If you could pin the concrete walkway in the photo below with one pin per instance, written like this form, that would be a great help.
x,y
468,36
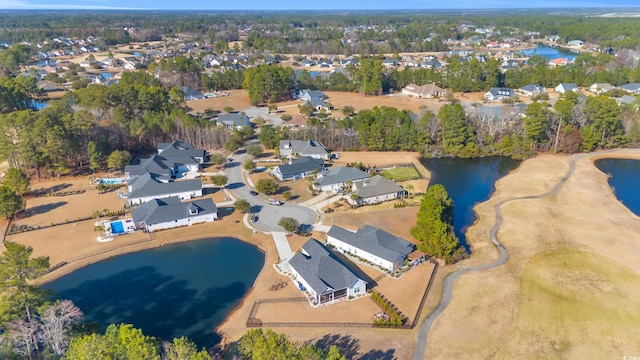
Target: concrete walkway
x,y
323,199
284,249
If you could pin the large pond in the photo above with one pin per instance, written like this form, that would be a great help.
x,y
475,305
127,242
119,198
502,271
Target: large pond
x,y
468,182
185,289
624,180
551,52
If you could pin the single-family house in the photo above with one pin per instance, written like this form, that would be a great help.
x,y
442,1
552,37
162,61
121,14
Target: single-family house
x,y
432,64
319,104
559,62
149,186
173,159
633,88
564,87
49,86
324,63
348,61
532,90
372,244
600,88
307,63
297,122
575,43
299,168
340,179
311,148
495,94
167,213
308,95
319,271
423,92
191,94
626,100
375,190
234,120
389,63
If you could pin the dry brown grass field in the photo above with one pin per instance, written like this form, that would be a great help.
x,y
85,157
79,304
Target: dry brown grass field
x,y
572,284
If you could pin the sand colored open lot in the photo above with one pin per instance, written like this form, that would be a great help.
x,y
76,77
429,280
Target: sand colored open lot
x,y
572,284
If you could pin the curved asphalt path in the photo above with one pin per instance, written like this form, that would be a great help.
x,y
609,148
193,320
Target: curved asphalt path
x,y
503,256
268,215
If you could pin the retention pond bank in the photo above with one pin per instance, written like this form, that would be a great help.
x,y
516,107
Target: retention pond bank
x,y
624,180
468,182
184,289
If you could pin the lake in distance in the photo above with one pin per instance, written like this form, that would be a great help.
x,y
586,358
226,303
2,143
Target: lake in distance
x,y
184,289
468,182
624,180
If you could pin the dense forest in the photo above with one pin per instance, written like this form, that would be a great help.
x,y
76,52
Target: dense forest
x,y
318,32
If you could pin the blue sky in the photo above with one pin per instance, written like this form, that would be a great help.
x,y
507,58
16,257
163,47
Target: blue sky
x,y
304,5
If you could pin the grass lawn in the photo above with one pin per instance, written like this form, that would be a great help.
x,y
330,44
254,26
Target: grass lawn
x,y
401,173
571,301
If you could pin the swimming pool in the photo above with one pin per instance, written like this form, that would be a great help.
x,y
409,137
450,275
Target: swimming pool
x,y
112,181
117,227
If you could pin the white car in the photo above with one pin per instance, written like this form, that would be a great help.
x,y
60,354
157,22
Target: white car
x,y
275,202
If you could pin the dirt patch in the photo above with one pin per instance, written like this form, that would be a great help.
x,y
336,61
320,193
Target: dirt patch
x,y
237,99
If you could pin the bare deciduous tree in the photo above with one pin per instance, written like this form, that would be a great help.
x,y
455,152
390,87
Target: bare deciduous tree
x,y
56,322
20,333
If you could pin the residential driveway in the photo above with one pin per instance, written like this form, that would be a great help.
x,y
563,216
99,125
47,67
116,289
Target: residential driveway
x,y
284,249
267,215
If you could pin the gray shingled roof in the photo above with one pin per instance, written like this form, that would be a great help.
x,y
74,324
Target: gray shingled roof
x,y
303,147
169,155
340,175
532,88
374,241
377,186
501,92
630,87
146,185
301,165
158,211
568,86
234,119
321,269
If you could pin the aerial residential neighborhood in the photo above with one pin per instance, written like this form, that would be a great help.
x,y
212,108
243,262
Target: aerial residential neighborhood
x,y
295,182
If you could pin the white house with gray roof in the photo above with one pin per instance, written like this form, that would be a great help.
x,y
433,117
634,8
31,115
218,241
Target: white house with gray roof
x,y
299,168
149,186
495,94
311,148
633,88
375,190
167,213
340,179
532,90
564,87
234,120
320,272
173,159
375,245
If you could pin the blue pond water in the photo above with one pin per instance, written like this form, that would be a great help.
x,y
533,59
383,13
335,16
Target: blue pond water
x,y
550,52
177,290
468,182
624,180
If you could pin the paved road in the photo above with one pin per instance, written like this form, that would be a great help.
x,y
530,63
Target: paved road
x,y
268,215
503,256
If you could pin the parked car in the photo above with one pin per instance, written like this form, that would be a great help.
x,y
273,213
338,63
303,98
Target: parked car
x,y
254,193
275,202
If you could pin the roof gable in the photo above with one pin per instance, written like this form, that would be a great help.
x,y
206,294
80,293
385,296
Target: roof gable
x,y
374,241
340,175
321,269
158,211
